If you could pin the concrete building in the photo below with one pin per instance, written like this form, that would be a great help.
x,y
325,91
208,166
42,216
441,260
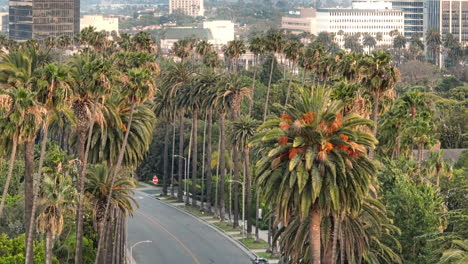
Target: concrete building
x,y
188,7
4,23
101,23
174,34
448,16
304,22
413,11
373,18
40,19
222,31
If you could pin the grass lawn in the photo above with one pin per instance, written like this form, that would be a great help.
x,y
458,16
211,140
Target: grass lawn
x,y
237,235
251,244
194,211
265,255
226,227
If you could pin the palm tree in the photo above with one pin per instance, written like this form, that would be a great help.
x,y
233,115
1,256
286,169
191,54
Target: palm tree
x,y
322,155
102,192
416,46
274,44
54,93
138,87
243,130
292,52
379,77
458,254
203,48
257,47
57,199
232,89
90,80
433,43
233,51
399,42
369,42
183,48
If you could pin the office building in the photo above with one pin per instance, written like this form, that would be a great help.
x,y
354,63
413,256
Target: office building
x,y
192,8
413,11
373,18
101,23
448,16
222,31
40,19
4,23
304,22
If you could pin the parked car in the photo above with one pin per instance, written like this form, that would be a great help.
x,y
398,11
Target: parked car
x,y
260,261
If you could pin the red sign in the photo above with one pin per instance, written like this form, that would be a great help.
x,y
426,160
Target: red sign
x,y
155,180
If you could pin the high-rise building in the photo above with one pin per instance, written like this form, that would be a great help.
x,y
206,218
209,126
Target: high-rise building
x,y
40,19
413,12
448,16
377,19
192,8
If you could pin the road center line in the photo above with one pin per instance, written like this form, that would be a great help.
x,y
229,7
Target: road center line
x,y
156,222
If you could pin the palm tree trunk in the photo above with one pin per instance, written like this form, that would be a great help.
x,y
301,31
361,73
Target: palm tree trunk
x,y
114,175
289,86
315,235
172,156
342,246
222,165
49,245
303,77
28,192
10,173
217,207
83,157
253,87
420,152
269,87
194,156
208,158
29,242
375,115
257,207
202,182
181,154
187,195
166,159
235,159
248,183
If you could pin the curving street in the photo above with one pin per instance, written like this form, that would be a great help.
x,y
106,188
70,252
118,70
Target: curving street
x,y
177,238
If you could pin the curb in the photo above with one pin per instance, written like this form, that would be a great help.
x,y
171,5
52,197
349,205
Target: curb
x,y
220,231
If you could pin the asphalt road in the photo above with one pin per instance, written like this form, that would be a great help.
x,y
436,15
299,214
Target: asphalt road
x,y
177,238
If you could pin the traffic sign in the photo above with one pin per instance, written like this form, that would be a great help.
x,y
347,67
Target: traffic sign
x,y
155,180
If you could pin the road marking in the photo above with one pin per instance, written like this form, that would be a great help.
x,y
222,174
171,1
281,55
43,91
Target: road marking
x,y
156,222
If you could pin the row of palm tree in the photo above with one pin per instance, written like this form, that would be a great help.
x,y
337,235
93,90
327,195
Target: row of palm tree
x,y
99,103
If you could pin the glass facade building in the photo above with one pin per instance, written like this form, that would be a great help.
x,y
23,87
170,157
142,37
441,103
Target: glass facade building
x,y
40,19
448,16
414,15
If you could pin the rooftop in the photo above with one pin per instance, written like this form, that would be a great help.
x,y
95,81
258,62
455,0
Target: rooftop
x,y
181,33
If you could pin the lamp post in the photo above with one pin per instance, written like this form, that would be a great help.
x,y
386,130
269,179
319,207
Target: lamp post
x,y
185,176
140,242
243,205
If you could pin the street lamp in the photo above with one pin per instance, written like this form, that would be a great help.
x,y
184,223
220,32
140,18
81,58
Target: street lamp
x,y
185,176
243,205
140,242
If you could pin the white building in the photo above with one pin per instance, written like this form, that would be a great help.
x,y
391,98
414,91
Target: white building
x,y
305,22
4,23
222,31
192,8
373,18
101,23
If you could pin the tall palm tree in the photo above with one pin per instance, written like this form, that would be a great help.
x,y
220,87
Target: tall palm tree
x,y
292,52
203,48
379,78
322,155
91,83
243,130
369,42
232,89
433,43
257,47
57,199
138,86
54,92
275,45
233,50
